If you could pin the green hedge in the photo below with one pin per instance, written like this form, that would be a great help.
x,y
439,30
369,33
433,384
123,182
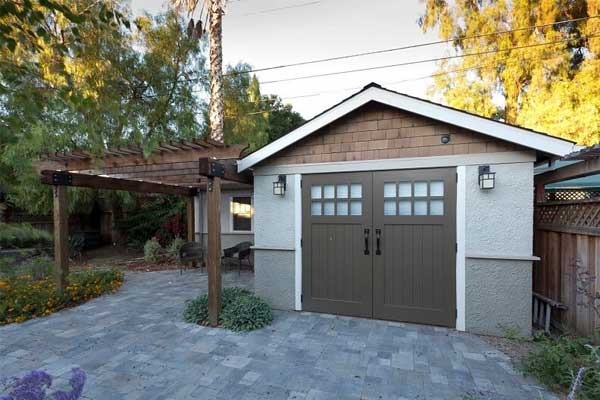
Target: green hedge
x,y
22,236
241,310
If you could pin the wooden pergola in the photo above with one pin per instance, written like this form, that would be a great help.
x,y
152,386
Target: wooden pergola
x,y
181,168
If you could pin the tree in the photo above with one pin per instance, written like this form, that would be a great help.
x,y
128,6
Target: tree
x,y
548,81
215,27
282,119
112,87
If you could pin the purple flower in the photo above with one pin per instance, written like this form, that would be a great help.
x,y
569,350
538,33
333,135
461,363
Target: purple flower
x,y
30,387
33,387
77,381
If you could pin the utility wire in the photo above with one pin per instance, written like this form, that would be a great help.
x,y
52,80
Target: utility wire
x,y
467,69
405,63
479,53
412,46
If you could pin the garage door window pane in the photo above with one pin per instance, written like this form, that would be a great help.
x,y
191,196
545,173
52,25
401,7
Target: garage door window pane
x,y
342,191
389,189
420,207
328,191
356,191
420,189
356,208
389,207
404,189
404,207
315,208
436,207
342,208
436,188
315,192
328,208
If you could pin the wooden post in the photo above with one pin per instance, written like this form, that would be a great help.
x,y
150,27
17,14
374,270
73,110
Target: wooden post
x,y
213,219
540,193
191,220
61,232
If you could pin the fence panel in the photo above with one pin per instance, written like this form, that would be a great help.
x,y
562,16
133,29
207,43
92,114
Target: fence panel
x,y
567,239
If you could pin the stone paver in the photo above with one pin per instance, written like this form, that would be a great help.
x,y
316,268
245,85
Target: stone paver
x,y
134,345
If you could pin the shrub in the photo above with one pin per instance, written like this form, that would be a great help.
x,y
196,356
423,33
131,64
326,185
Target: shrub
x,y
174,247
240,310
23,297
246,313
76,245
558,360
151,219
33,386
152,250
23,236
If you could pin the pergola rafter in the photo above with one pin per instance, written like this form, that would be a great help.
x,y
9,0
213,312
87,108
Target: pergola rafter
x,y
180,168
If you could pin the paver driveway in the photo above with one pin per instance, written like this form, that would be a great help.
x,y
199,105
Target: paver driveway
x,y
133,345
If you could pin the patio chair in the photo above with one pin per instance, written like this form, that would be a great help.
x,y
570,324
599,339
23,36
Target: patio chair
x,y
189,252
243,251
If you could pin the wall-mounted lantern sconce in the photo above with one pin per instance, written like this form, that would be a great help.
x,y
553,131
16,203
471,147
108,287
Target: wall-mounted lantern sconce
x,y
445,139
487,179
279,186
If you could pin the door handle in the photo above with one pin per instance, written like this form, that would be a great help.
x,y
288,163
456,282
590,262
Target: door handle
x,y
377,241
367,231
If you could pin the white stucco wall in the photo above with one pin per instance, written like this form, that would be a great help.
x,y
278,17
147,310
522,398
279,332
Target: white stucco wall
x,y
499,224
274,239
500,221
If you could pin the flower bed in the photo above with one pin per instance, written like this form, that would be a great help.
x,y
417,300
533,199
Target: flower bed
x,y
23,297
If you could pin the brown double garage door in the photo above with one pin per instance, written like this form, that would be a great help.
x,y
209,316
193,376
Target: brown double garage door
x,y
381,245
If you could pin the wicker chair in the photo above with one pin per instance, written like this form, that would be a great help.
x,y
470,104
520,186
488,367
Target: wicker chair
x,y
190,252
243,251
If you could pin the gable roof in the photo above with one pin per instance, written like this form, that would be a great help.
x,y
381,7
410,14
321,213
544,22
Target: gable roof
x,y
373,92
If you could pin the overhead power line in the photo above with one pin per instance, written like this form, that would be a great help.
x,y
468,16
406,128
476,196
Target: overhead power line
x,y
412,46
479,53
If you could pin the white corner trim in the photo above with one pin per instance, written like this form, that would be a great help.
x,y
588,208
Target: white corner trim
x,y
509,157
509,133
461,188
297,241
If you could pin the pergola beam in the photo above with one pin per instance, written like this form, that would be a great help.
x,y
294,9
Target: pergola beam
x,y
50,177
224,169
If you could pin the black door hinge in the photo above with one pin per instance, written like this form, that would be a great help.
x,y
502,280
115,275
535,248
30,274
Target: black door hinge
x,y
456,313
457,177
456,247
301,243
301,298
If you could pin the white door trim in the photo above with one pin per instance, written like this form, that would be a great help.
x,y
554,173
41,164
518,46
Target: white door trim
x,y
461,172
298,241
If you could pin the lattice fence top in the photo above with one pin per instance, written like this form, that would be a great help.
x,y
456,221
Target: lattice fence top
x,y
572,194
581,216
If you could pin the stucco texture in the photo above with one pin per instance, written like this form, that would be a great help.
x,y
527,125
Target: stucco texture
x,y
274,277
500,221
274,228
498,297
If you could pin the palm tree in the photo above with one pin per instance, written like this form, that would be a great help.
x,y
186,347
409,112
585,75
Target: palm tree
x,y
215,14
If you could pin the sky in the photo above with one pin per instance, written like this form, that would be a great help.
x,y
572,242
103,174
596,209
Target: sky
x,y
267,33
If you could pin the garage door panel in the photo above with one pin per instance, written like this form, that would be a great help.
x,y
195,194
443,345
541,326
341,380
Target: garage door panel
x,y
413,276
408,221
337,274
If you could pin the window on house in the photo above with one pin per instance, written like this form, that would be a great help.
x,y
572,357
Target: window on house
x,y
241,213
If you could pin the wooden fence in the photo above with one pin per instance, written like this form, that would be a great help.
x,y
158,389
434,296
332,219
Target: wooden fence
x,y
567,239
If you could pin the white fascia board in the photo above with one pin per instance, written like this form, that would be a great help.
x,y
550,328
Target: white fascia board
x,y
513,134
509,133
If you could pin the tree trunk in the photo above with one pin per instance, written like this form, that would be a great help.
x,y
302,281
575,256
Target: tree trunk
x,y
216,70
